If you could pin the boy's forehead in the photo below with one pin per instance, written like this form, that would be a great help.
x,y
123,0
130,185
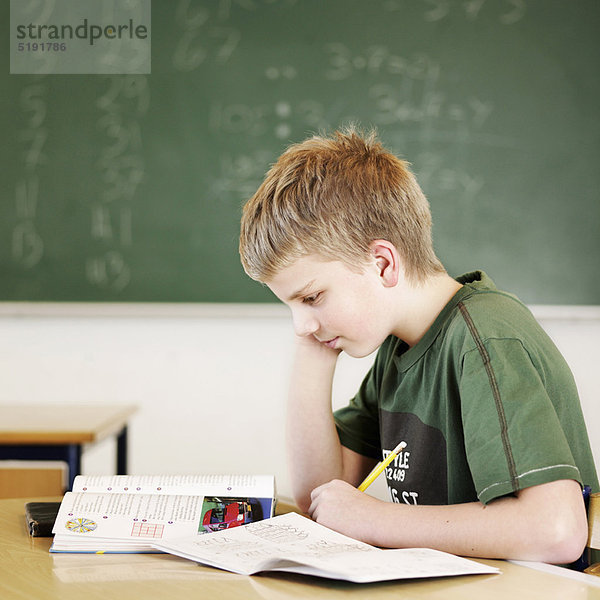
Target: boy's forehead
x,y
301,276
306,274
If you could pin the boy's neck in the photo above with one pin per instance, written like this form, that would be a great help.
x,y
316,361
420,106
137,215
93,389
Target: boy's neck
x,y
421,304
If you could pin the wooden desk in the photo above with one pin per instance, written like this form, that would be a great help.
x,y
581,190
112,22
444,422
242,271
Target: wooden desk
x,y
58,432
28,571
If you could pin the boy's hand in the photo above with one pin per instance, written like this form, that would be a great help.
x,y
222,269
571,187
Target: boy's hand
x,y
340,506
314,359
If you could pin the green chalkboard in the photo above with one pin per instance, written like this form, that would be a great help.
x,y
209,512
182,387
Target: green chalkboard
x,y
129,187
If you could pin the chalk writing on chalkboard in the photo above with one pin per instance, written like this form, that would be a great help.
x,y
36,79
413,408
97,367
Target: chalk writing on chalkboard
x,y
27,243
129,188
121,166
506,12
201,39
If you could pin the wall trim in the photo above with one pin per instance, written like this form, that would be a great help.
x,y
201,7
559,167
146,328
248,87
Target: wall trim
x,y
202,310
198,310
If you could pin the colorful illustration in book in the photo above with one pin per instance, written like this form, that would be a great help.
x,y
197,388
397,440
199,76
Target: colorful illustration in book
x,y
224,513
81,525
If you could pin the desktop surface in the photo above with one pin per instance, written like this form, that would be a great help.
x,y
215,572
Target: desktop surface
x,y
28,570
61,423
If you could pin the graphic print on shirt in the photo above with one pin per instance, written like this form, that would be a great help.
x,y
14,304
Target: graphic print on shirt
x,y
418,475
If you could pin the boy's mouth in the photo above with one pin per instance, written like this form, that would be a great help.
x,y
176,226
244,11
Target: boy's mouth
x,y
330,343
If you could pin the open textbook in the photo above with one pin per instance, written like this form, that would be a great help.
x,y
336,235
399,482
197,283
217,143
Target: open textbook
x,y
296,544
127,513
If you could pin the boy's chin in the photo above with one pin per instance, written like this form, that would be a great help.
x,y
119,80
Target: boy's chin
x,y
358,351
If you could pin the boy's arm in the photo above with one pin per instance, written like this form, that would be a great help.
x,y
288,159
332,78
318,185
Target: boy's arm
x,y
315,454
542,523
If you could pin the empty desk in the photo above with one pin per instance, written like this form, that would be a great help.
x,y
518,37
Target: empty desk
x,y
59,432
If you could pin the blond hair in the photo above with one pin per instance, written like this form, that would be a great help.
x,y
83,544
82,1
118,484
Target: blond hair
x,y
332,197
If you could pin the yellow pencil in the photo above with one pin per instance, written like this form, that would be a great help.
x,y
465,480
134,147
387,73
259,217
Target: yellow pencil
x,y
374,474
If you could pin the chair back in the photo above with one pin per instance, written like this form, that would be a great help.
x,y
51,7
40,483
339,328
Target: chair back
x,y
593,542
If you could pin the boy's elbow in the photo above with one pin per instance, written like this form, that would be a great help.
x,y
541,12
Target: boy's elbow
x,y
553,523
563,540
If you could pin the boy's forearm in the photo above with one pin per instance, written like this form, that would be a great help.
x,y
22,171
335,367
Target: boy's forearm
x,y
476,530
543,523
500,530
313,447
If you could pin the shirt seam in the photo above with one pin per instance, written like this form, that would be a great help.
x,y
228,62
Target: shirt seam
x,y
485,357
525,474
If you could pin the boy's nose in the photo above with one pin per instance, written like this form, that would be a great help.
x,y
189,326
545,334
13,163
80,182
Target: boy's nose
x,y
304,324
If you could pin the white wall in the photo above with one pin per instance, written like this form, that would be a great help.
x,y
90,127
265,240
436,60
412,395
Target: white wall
x,y
210,381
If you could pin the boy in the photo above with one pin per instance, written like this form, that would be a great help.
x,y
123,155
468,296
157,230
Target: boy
x,y
497,448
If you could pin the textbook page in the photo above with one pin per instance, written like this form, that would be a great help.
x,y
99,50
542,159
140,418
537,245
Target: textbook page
x,y
296,544
126,513
261,486
92,522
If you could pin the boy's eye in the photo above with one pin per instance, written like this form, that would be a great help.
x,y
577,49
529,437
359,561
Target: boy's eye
x,y
312,298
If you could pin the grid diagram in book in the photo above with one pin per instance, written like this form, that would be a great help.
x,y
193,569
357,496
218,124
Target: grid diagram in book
x,y
147,530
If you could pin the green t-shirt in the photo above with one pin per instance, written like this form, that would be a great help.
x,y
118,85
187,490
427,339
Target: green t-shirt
x,y
485,402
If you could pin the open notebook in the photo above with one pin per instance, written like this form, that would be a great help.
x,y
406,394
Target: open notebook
x,y
296,544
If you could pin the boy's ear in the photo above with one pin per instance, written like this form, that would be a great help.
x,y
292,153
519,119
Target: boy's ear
x,y
387,261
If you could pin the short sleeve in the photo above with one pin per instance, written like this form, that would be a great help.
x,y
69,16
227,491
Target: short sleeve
x,y
512,432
